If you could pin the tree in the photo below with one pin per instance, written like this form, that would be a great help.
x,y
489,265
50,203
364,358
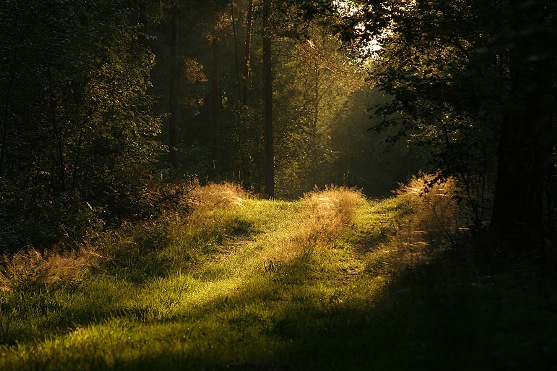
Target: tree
x,y
314,83
186,42
268,99
246,78
78,136
173,86
464,74
526,147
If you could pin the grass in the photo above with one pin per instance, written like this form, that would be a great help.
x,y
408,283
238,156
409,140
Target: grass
x,y
332,281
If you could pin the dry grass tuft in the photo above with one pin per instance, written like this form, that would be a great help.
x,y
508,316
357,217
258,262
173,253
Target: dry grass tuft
x,y
334,205
436,209
438,219
217,196
30,269
326,214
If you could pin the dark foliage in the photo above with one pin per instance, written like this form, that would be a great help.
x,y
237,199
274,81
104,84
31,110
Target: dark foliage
x,y
77,132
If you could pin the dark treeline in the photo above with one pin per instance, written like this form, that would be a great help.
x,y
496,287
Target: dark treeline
x,y
101,99
78,136
475,83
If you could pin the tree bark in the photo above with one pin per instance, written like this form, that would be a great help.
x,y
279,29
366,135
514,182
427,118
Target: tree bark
x,y
236,62
215,107
524,163
247,55
4,138
173,88
268,97
57,134
526,159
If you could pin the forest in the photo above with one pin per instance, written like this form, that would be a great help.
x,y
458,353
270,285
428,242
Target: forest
x,y
278,185
102,99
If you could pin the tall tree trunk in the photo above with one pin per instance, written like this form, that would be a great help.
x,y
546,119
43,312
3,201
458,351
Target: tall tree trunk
x,y
315,119
247,55
58,135
142,17
6,105
4,118
522,169
173,87
526,158
236,62
268,97
215,107
245,175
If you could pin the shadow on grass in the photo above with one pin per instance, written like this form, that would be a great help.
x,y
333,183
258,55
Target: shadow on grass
x,y
427,317
425,320
422,319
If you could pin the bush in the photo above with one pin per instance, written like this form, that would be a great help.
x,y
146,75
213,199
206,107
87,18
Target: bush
x,y
437,211
187,221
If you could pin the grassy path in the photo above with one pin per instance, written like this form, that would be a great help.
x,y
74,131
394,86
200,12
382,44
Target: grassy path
x,y
274,295
314,284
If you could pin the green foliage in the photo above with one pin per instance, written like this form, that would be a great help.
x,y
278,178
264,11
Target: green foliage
x,y
320,118
77,134
469,81
439,94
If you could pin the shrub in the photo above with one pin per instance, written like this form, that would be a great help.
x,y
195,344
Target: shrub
x,y
160,197
437,210
187,222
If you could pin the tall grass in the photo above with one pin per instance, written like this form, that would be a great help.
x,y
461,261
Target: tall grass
x,y
436,209
211,271
30,269
326,214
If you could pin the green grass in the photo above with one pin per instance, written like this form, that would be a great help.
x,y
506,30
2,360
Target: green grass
x,y
265,285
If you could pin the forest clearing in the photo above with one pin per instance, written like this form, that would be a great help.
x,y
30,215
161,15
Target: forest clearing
x,y
167,172
331,281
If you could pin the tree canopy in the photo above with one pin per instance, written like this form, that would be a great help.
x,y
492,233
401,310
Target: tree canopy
x,y
77,131
474,81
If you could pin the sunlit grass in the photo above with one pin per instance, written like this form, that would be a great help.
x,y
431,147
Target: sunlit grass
x,y
233,274
320,283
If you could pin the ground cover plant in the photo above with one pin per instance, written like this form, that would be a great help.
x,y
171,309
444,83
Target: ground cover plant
x,y
229,281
